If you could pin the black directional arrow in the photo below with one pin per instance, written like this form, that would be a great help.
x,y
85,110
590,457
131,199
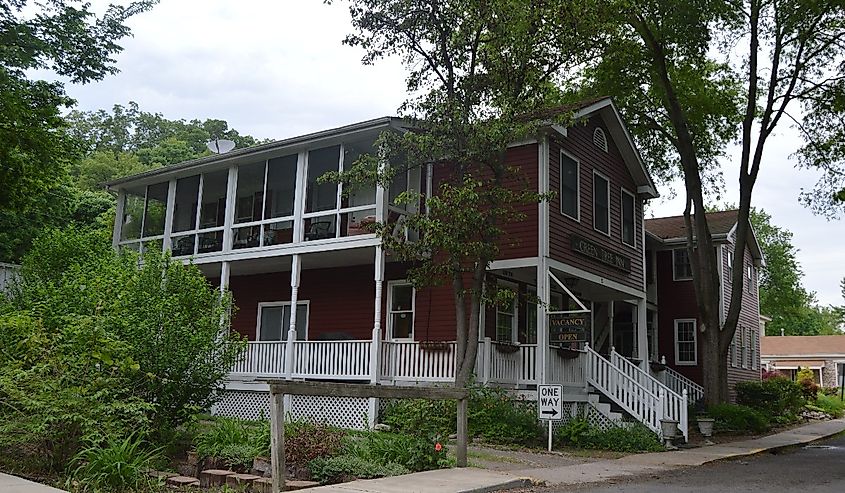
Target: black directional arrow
x,y
552,412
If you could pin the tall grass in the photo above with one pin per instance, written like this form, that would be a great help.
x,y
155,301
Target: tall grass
x,y
114,466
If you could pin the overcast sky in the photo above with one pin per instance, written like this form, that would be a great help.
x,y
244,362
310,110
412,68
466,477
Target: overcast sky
x,y
277,69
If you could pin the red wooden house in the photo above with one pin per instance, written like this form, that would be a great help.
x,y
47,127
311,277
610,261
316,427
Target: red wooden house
x,y
319,298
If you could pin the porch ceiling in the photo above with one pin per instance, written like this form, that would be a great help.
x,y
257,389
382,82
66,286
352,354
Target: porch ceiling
x,y
589,290
315,260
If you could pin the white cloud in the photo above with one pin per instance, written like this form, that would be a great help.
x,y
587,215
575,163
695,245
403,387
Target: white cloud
x,y
276,69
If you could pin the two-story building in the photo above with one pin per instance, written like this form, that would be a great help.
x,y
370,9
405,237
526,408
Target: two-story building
x,y
319,298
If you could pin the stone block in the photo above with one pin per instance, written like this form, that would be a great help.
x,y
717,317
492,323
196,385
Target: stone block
x,y
182,481
214,477
261,466
241,480
265,485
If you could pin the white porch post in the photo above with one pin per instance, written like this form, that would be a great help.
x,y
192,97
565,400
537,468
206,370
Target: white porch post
x,y
295,270
168,215
375,346
118,217
225,270
610,312
543,350
642,334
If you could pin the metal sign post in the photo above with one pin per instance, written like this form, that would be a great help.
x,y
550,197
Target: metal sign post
x,y
550,405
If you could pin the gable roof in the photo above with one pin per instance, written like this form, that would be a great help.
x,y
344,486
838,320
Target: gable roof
x,y
802,346
673,227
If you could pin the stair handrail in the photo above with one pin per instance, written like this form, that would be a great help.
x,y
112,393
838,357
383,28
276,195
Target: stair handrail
x,y
675,405
638,401
694,390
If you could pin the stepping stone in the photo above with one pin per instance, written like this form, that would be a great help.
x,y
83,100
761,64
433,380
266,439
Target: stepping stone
x,y
265,485
239,480
214,477
182,481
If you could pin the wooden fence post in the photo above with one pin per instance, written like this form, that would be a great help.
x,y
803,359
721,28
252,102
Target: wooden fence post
x,y
277,439
462,432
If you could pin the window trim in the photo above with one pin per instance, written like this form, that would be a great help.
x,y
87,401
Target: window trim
x,y
389,310
730,268
577,217
609,202
674,271
694,322
749,278
273,304
622,217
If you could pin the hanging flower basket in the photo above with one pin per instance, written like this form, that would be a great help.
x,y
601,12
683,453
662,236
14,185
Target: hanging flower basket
x,y
434,346
506,347
655,366
567,353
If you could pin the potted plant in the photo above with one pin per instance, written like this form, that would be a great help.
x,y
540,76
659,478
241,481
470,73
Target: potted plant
x,y
567,352
705,425
434,346
506,347
668,430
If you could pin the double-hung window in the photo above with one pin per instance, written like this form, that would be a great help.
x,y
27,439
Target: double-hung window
x,y
506,318
601,203
749,278
730,268
686,350
274,321
569,186
400,321
681,267
628,222
743,346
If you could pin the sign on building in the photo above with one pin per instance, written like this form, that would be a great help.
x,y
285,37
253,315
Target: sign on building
x,y
568,327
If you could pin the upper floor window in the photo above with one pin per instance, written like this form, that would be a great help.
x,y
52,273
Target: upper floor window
x,y
400,318
264,200
681,267
601,203
628,223
686,349
749,278
144,211
730,267
274,321
199,213
569,186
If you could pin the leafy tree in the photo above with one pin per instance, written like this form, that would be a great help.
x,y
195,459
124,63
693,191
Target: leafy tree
x,y
163,314
692,77
476,68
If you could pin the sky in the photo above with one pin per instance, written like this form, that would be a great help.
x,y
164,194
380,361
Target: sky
x,y
278,69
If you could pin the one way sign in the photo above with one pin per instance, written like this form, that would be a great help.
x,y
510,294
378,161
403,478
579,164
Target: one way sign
x,y
550,401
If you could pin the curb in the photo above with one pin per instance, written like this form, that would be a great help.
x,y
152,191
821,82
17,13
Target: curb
x,y
507,485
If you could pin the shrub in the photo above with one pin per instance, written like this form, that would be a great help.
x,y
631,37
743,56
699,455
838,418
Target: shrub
x,y
631,438
412,452
237,442
767,374
805,375
738,418
305,441
116,465
346,467
809,389
776,397
831,404
421,416
832,391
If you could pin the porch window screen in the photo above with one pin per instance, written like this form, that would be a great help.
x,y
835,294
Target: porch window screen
x,y
681,268
401,311
628,219
601,204
569,186
505,321
685,344
275,320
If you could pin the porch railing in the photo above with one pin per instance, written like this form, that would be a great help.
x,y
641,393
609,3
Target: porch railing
x,y
342,360
644,405
411,360
678,382
262,358
567,371
674,403
505,363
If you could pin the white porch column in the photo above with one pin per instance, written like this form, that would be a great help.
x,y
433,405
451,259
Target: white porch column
x,y
543,350
610,312
168,215
375,348
225,270
642,334
295,270
118,217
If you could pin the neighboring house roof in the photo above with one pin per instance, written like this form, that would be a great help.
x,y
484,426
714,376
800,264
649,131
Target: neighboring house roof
x,y
602,106
673,229
805,347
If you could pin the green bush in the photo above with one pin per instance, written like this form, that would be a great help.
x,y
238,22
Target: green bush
x,y
412,452
630,438
831,404
776,397
305,441
346,467
117,465
421,416
738,418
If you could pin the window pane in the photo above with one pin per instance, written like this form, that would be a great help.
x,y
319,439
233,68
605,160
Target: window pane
x,y
182,245
271,324
364,194
402,325
321,196
133,213
569,186
247,237
504,327
601,204
320,228
155,209
399,184
627,219
185,208
278,233
281,186
250,193
210,242
402,298
213,209
301,321
683,269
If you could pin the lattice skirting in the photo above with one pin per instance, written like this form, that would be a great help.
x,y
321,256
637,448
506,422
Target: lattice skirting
x,y
343,412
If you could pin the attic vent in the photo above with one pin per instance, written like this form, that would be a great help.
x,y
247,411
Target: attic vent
x,y
599,139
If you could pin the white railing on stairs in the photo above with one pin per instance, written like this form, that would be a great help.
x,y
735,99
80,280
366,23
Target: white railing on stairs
x,y
675,404
644,405
678,382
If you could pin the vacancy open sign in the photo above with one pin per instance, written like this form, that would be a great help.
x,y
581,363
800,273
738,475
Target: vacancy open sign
x,y
550,401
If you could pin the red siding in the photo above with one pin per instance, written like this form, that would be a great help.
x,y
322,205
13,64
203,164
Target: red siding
x,y
579,144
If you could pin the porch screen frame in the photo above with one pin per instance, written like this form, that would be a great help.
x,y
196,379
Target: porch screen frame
x,y
276,304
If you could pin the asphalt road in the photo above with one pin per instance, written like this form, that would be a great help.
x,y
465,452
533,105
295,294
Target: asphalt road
x,y
816,468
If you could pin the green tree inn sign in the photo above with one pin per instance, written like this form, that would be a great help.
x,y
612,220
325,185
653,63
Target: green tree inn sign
x,y
600,253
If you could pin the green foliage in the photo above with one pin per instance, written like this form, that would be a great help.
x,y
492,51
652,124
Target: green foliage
x,y
831,404
804,374
630,438
116,465
305,441
347,467
421,417
737,418
778,398
411,452
237,442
